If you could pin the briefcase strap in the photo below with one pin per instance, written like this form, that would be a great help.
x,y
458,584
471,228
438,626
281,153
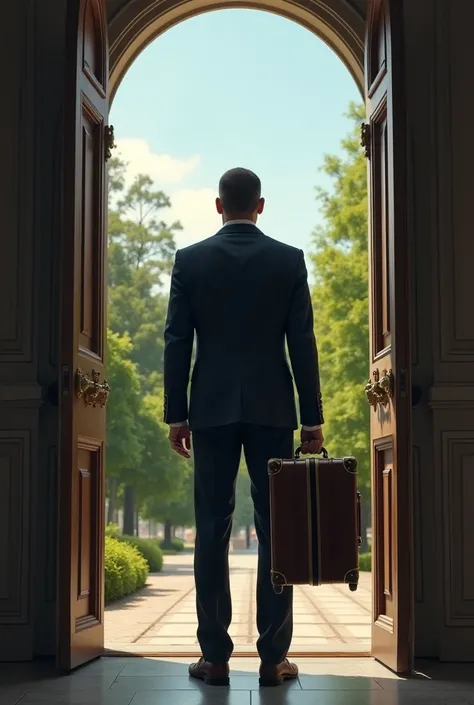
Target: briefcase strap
x,y
359,520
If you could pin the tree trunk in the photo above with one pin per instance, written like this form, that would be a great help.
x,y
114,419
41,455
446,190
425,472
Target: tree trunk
x,y
111,510
137,523
168,534
365,499
247,536
129,511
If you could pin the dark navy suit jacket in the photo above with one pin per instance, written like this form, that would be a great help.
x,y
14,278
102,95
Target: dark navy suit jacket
x,y
243,295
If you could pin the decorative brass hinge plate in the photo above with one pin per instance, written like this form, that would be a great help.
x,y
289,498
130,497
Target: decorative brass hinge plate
x,y
90,389
365,135
381,390
109,141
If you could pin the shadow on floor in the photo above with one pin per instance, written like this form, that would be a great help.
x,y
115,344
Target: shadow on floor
x,y
165,682
138,597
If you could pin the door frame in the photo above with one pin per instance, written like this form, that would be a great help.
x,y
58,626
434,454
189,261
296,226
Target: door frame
x,y
334,21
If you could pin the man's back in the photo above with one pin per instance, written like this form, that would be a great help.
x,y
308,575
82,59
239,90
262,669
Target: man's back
x,y
241,294
240,287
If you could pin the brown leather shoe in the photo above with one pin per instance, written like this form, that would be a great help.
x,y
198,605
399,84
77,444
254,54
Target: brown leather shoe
x,y
275,674
210,673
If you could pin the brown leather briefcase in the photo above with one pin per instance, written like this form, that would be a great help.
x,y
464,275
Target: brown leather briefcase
x,y
315,521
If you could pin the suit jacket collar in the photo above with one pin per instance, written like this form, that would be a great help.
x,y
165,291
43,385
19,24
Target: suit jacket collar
x,y
239,228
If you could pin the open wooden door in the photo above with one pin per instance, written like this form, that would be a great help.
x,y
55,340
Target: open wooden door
x,y
389,389
83,390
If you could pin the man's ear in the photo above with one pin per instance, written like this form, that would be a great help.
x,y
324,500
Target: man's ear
x,y
219,208
261,206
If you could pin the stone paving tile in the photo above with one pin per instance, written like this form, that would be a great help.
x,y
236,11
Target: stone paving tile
x,y
163,615
322,681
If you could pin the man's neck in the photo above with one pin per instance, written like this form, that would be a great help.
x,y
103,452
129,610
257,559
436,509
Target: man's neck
x,y
239,218
238,221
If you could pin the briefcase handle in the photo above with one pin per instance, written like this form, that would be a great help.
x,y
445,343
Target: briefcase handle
x,y
323,451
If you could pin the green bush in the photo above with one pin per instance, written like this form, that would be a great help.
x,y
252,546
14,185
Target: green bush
x,y
176,545
113,530
125,569
149,549
365,562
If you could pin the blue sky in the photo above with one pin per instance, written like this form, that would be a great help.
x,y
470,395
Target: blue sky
x,y
235,88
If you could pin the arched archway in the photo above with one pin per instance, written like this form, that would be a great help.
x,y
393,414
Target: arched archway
x,y
377,67
134,25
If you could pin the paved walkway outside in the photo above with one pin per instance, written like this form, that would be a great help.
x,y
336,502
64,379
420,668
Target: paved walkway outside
x,y
162,616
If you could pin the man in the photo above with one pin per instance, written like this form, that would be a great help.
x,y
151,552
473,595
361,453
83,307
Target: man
x,y
242,293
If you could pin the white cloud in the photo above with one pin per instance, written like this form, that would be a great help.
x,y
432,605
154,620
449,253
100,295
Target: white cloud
x,y
163,168
196,210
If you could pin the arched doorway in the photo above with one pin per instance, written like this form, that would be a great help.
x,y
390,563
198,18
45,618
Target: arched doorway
x,y
84,392
339,23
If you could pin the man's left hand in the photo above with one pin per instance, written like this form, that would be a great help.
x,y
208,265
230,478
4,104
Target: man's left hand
x,y
180,440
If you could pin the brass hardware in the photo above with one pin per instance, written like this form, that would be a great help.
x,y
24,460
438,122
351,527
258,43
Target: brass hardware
x,y
381,390
387,384
274,466
109,140
370,394
350,465
352,579
278,581
91,390
365,133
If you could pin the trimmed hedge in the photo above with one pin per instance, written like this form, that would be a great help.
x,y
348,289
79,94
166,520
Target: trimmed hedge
x,y
149,549
125,569
176,545
365,562
113,530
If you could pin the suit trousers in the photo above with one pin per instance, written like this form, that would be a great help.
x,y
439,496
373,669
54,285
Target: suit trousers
x,y
217,453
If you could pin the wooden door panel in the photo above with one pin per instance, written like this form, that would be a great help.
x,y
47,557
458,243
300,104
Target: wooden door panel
x,y
383,564
94,58
84,391
91,217
88,537
376,44
388,390
380,245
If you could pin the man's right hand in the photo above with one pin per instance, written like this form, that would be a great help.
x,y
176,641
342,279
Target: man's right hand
x,y
180,440
311,441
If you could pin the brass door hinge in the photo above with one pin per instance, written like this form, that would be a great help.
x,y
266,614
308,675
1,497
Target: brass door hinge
x,y
365,135
109,141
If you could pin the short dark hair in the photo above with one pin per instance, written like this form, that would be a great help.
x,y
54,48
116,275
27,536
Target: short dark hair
x,y
239,190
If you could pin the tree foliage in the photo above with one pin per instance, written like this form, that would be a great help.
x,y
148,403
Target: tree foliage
x,y
141,468
340,301
141,250
244,514
123,442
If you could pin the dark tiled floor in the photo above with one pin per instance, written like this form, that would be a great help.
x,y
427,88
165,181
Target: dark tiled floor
x,y
121,681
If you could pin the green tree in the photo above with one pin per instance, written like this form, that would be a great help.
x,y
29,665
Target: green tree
x,y
141,250
341,305
123,444
244,512
162,469
177,509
